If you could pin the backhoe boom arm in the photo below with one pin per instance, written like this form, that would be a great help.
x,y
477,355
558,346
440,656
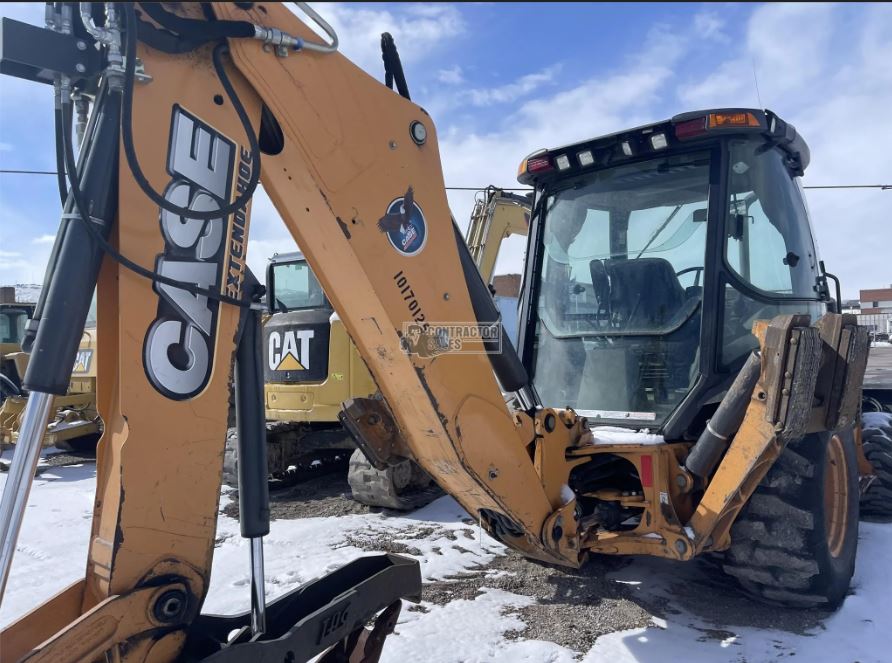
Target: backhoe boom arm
x,y
354,171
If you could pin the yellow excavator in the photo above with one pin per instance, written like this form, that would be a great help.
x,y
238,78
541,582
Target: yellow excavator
x,y
496,216
13,318
75,423
311,367
682,384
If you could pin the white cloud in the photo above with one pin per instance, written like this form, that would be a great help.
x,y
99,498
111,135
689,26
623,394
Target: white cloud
x,y
838,99
601,104
418,30
710,26
513,91
451,76
25,266
44,239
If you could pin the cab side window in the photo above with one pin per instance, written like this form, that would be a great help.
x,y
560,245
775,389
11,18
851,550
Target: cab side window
x,y
768,247
768,242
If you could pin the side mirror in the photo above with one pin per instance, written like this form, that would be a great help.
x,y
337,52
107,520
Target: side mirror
x,y
823,289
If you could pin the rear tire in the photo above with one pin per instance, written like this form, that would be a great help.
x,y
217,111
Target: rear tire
x,y
795,540
876,438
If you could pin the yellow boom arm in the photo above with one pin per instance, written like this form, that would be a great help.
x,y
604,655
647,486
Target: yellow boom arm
x,y
356,175
496,216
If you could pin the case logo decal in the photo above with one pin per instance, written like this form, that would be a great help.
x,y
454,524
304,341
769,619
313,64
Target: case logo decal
x,y
404,225
178,352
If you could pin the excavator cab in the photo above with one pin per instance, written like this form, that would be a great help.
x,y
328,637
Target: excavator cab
x,y
298,333
654,251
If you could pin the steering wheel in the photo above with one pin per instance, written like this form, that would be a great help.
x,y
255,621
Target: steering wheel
x,y
699,271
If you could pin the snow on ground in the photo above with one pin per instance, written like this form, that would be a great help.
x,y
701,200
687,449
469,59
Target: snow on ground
x,y
53,547
296,551
859,631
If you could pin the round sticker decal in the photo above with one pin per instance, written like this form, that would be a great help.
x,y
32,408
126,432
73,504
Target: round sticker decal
x,y
404,224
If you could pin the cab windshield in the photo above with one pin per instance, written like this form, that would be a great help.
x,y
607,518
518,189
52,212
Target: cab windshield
x,y
618,310
295,287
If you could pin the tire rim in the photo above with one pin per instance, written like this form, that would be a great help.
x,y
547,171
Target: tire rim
x,y
836,496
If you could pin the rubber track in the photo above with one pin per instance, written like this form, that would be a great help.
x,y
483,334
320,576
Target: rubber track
x,y
387,488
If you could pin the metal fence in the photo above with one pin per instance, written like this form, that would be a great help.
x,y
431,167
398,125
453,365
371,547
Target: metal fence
x,y
878,324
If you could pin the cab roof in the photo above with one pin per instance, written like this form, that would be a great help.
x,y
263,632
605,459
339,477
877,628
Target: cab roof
x,y
291,256
666,136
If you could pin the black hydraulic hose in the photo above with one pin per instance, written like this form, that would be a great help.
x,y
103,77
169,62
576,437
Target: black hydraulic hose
x,y
64,139
197,29
60,156
72,275
127,130
81,209
393,67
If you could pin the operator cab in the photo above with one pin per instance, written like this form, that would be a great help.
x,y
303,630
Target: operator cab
x,y
291,285
652,251
13,318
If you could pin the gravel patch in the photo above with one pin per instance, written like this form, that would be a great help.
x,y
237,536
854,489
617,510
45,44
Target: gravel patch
x,y
574,607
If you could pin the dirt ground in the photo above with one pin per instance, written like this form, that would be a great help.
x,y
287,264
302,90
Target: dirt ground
x,y
574,607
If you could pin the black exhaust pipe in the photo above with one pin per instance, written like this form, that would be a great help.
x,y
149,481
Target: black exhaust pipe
x,y
715,438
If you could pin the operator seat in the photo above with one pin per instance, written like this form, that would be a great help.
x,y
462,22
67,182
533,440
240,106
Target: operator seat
x,y
651,306
645,293
601,287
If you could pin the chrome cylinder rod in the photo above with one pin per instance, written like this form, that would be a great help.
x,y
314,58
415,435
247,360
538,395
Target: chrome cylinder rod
x,y
258,589
20,478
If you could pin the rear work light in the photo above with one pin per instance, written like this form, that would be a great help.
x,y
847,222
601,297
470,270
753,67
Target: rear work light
x,y
585,158
562,162
658,141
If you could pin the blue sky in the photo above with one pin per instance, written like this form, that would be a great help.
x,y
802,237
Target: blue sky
x,y
501,80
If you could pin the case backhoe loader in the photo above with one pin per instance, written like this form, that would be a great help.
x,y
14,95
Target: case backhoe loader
x,y
642,275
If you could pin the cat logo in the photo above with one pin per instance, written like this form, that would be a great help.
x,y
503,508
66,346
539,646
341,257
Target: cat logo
x,y
282,350
82,361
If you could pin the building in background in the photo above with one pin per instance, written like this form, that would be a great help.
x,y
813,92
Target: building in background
x,y
876,312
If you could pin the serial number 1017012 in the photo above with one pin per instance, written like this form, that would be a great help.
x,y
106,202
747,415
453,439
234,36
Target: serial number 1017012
x,y
409,297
